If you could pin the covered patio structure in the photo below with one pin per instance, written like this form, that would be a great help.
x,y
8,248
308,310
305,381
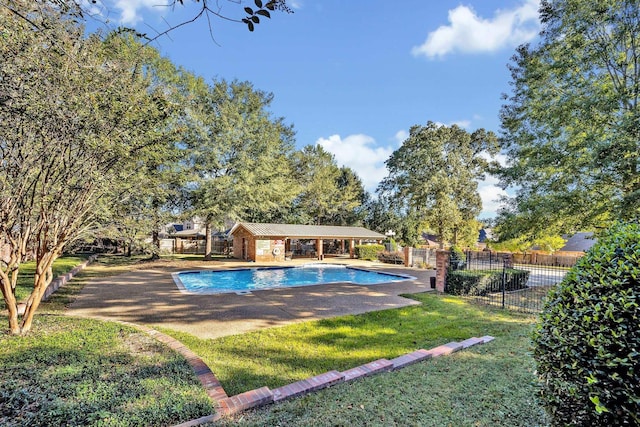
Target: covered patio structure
x,y
279,242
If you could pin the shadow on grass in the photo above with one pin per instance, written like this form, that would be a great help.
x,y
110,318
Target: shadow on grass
x,y
85,372
278,356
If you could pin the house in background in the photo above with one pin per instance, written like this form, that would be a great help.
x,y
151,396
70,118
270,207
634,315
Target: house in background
x,y
429,241
578,243
189,236
277,242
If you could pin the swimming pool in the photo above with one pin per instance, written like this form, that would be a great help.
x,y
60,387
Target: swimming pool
x,y
245,280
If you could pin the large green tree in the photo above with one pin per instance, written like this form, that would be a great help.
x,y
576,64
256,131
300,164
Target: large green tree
x,y
433,177
329,194
238,153
77,118
571,126
152,197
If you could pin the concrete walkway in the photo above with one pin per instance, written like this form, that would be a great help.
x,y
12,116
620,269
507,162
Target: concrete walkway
x,y
150,297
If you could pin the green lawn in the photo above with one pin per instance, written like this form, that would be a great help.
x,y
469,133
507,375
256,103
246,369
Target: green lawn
x,y
62,265
99,373
82,372
483,386
487,385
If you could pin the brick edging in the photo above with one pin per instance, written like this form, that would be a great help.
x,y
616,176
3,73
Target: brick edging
x,y
64,278
226,405
56,283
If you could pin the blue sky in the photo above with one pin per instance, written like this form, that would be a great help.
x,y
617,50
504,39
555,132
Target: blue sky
x,y
355,75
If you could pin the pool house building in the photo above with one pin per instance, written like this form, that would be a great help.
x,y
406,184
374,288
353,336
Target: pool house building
x,y
280,242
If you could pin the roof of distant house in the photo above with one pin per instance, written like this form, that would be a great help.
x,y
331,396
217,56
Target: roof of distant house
x,y
485,234
430,239
579,242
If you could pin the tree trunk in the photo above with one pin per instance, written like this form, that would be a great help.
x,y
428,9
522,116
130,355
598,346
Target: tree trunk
x,y
441,238
155,237
41,279
207,242
10,302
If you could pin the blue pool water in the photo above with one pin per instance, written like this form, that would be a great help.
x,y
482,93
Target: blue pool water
x,y
252,279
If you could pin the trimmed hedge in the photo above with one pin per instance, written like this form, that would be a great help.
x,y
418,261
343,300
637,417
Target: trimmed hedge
x,y
369,252
482,282
587,343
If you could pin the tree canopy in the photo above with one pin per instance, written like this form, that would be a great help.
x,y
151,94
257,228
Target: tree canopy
x,y
238,153
329,194
78,117
571,126
434,174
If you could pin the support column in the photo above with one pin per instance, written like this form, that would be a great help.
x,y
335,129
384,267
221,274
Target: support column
x,y
408,255
352,248
442,265
319,249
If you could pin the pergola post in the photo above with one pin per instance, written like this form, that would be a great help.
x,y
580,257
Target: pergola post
x,y
319,249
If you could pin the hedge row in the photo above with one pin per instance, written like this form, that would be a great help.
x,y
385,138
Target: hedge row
x,y
369,252
482,282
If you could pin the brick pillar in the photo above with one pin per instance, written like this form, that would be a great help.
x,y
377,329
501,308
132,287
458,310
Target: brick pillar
x,y
352,248
407,256
442,265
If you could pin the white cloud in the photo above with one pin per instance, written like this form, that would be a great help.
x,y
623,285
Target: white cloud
x,y
464,124
490,193
401,136
468,32
489,190
360,153
129,9
295,4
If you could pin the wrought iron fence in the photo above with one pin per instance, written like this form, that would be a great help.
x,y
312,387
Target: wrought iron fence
x,y
502,280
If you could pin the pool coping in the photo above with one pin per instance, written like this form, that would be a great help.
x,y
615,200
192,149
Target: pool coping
x,y
182,288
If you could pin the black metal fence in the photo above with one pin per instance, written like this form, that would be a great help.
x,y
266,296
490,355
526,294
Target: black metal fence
x,y
504,280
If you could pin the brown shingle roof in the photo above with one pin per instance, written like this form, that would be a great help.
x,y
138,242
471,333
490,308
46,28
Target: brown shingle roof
x,y
308,231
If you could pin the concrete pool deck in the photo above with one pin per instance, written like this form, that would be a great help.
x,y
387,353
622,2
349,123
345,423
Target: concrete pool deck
x,y
149,296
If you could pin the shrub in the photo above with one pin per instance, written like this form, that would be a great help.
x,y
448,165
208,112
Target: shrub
x,y
391,257
587,342
457,258
482,282
368,252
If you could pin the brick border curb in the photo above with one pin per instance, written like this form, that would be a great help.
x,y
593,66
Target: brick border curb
x,y
59,281
64,278
226,405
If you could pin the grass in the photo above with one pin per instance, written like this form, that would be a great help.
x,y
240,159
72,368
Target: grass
x,y
85,372
278,356
488,385
529,300
62,265
73,371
